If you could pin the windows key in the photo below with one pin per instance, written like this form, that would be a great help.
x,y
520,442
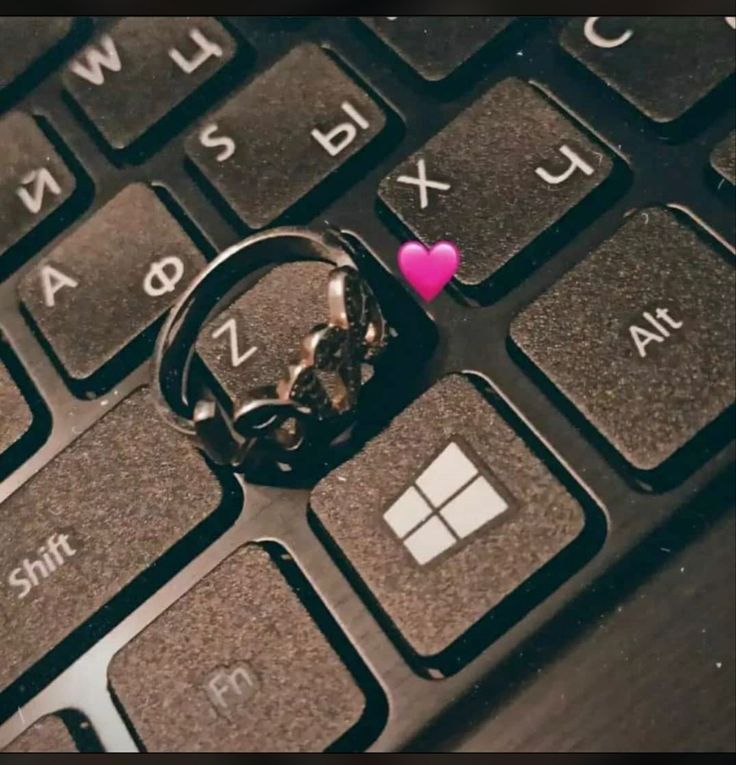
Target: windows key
x,y
444,515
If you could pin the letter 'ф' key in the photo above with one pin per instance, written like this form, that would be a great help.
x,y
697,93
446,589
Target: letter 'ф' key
x,y
492,181
109,279
141,68
640,336
86,525
237,664
34,181
283,134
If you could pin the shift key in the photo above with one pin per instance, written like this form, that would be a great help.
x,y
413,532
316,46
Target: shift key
x,y
92,520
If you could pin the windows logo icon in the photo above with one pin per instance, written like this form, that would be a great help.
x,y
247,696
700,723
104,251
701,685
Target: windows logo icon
x,y
448,501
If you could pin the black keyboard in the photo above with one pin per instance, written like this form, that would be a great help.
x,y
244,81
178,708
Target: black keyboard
x,y
569,392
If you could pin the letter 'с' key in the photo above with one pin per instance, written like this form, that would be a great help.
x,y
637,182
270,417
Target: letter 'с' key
x,y
662,65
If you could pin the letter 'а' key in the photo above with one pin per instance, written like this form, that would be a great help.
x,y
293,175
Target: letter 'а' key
x,y
109,279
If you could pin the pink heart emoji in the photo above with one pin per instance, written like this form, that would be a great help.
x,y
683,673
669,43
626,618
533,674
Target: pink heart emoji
x,y
428,270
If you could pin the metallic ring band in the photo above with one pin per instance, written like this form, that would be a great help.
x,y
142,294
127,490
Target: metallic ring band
x,y
211,291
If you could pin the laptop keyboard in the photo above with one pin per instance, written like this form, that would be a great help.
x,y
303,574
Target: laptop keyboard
x,y
569,392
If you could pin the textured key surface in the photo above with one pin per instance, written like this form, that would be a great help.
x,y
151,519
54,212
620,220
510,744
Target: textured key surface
x,y
49,734
15,416
723,158
273,157
34,181
647,384
435,47
118,498
491,201
272,318
236,665
511,519
663,66
23,39
141,68
109,279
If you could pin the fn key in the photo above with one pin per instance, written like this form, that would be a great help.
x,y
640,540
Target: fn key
x,y
236,665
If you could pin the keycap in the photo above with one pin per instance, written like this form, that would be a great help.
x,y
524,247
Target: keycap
x,y
34,181
436,46
640,336
49,734
237,664
248,346
109,279
663,65
445,514
723,158
15,416
86,525
283,133
500,174
139,69
24,39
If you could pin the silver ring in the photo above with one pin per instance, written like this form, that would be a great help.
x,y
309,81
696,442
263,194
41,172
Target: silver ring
x,y
204,420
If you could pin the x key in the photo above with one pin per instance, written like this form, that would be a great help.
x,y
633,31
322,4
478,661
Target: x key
x,y
423,183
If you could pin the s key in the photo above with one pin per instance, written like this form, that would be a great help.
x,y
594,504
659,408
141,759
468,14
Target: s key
x,y
141,68
109,279
640,336
283,134
500,174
